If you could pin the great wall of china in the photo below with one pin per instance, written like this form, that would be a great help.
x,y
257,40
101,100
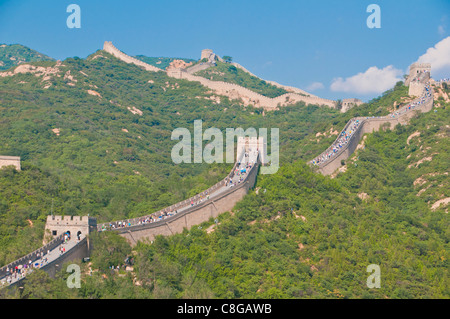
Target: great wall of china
x,y
208,204
419,76
174,219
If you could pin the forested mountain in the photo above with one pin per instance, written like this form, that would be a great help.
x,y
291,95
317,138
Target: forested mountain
x,y
161,62
94,135
229,73
15,54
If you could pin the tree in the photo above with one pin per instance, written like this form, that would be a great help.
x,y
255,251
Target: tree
x,y
227,58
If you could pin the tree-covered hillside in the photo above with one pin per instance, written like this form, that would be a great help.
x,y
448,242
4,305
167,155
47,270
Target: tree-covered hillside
x,y
94,136
297,235
15,54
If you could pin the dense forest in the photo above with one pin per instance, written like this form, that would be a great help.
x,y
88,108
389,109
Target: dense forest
x,y
298,234
15,54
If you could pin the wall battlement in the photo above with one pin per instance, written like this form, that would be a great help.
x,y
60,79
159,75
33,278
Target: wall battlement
x,y
230,90
110,48
415,70
58,225
10,161
371,124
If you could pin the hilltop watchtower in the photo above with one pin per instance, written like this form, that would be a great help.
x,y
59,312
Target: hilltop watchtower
x,y
419,74
416,70
248,143
74,225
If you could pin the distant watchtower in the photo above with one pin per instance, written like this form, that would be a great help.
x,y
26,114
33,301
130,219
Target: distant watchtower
x,y
74,225
246,144
416,70
206,53
419,74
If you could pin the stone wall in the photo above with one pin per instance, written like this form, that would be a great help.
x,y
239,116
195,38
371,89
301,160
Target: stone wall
x,y
369,125
199,67
284,87
347,104
110,48
415,69
78,252
206,53
249,97
32,256
10,161
232,91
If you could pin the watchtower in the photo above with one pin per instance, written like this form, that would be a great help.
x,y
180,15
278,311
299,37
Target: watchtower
x,y
249,143
416,69
74,225
206,53
347,104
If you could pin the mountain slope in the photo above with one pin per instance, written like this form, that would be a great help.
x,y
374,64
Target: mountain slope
x,y
94,136
15,54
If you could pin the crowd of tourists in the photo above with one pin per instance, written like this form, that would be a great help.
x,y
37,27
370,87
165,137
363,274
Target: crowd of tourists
x,y
235,178
354,124
340,142
17,272
242,168
419,102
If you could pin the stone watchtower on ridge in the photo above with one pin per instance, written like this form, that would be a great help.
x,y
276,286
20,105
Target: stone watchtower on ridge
x,y
210,56
416,69
419,73
74,225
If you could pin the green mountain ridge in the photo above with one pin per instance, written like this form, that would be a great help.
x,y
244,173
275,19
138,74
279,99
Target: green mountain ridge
x,y
297,235
161,62
15,54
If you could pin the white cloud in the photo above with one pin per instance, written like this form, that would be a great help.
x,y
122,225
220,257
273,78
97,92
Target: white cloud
x,y
374,80
441,30
439,57
315,86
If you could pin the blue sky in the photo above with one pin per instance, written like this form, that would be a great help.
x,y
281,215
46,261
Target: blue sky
x,y
323,46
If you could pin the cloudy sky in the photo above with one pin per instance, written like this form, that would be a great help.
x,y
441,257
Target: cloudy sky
x,y
325,47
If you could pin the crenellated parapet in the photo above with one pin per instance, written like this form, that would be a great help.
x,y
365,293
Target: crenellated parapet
x,y
416,70
110,48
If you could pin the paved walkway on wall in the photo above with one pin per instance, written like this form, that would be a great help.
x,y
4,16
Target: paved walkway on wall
x,y
36,264
239,174
354,124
